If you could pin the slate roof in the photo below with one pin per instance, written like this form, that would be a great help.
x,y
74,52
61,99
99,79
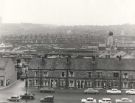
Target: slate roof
x,y
83,64
50,63
115,64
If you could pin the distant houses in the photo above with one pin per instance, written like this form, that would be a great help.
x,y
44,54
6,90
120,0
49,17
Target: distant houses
x,y
81,73
8,73
3,45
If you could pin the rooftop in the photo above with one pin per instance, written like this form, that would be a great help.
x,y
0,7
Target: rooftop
x,y
83,64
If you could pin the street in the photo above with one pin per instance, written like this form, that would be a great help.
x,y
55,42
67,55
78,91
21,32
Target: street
x,y
15,89
61,96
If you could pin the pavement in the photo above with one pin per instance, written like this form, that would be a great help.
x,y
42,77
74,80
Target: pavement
x,y
9,85
16,88
60,96
72,90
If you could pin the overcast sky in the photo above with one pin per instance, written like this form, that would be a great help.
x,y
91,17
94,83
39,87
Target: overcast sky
x,y
68,12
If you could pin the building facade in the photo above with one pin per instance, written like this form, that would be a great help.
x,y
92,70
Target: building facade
x,y
8,73
81,73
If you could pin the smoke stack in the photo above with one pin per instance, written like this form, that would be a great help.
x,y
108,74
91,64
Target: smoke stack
x,y
110,41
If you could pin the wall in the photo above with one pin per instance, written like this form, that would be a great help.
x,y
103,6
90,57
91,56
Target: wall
x,y
11,73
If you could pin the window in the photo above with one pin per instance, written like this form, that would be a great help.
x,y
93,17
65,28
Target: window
x,y
71,74
45,74
63,74
89,84
1,83
115,75
125,75
99,74
62,83
125,85
89,74
36,73
98,84
45,83
36,82
71,83
30,83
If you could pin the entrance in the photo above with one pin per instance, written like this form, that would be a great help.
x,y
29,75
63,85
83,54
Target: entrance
x,y
53,83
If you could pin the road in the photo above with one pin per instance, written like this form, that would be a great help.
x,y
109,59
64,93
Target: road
x,y
75,97
61,96
15,89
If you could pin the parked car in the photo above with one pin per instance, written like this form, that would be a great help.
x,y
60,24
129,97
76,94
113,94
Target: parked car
x,y
83,100
29,96
91,91
14,98
124,100
88,100
47,90
114,91
105,100
47,99
130,91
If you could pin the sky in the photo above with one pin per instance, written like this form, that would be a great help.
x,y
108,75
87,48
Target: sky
x,y
68,12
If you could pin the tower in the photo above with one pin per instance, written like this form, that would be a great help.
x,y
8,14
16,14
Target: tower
x,y
109,44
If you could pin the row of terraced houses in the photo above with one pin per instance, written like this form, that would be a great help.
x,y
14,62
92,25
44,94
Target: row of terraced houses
x,y
81,73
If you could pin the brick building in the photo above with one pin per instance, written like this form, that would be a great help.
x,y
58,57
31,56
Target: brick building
x,y
8,73
82,73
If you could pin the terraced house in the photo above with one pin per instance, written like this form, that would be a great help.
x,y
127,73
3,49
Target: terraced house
x,y
80,73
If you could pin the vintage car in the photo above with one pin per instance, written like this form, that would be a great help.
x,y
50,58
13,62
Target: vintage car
x,y
124,100
83,100
88,100
113,91
105,100
47,99
14,98
91,91
29,96
130,91
47,90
